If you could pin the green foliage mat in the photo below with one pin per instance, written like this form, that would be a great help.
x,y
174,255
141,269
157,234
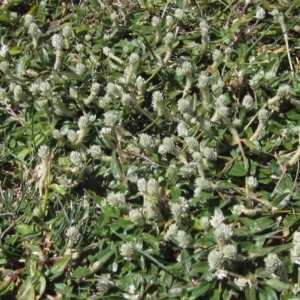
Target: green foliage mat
x,y
149,150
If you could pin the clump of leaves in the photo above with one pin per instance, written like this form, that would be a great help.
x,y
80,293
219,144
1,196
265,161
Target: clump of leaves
x,y
149,150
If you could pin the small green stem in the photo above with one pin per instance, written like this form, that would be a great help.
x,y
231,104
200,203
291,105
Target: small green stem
x,y
142,111
150,125
120,156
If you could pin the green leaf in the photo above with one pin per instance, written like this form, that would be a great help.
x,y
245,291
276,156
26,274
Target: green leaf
x,y
222,184
216,295
175,192
65,290
173,94
250,293
103,257
187,262
292,115
282,200
166,279
6,286
24,229
58,188
151,240
81,272
268,293
35,250
80,29
59,267
15,50
5,19
42,284
114,166
265,181
26,290
237,169
201,289
276,284
288,145
145,30
249,143
23,153
30,265
124,224
200,267
110,211
235,25
291,220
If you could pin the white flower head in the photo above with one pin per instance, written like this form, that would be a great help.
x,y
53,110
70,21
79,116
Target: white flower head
x,y
4,65
75,158
44,152
134,59
183,239
260,13
34,31
204,28
215,259
146,141
238,209
137,217
229,251
217,219
157,102
179,14
204,222
169,21
73,233
252,182
3,51
58,41
172,230
295,254
209,153
95,152
45,88
203,81
153,187
80,68
272,262
179,208
223,232
242,283
168,39
111,119
72,136
182,130
142,185
221,274
296,237
247,102
204,184
67,31
152,211
184,105
156,22
116,199
192,144
127,251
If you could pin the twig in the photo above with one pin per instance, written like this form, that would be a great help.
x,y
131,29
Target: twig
x,y
9,227
12,113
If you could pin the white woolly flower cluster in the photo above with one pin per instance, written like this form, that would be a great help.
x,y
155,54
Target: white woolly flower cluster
x,y
295,251
225,250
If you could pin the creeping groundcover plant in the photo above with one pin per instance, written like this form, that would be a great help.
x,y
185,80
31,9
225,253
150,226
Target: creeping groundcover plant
x,y
149,149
